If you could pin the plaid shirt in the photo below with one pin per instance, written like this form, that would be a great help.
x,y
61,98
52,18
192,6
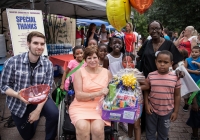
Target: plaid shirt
x,y
17,75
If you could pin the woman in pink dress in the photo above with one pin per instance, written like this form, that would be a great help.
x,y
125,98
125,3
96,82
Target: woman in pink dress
x,y
90,85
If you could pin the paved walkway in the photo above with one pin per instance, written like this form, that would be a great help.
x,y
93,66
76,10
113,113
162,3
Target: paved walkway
x,y
178,130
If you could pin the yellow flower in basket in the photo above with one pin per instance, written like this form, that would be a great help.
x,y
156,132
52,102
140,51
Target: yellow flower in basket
x,y
129,80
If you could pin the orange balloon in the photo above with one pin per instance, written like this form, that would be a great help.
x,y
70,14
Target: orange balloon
x,y
141,5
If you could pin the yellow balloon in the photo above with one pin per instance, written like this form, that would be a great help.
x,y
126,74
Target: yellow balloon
x,y
118,13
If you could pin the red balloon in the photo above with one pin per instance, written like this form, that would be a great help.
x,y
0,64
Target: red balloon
x,y
141,5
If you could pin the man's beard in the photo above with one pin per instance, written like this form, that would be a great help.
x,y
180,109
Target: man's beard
x,y
34,53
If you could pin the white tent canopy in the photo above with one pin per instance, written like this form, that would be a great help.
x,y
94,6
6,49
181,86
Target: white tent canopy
x,y
90,9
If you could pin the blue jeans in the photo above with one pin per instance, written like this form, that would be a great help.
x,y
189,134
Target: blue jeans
x,y
49,111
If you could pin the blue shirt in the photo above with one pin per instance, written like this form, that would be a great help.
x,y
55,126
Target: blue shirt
x,y
167,37
17,75
192,66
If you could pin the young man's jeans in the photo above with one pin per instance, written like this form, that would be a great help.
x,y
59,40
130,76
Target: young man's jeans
x,y
156,123
49,111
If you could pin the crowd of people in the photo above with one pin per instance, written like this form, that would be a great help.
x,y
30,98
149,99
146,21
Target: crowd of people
x,y
104,55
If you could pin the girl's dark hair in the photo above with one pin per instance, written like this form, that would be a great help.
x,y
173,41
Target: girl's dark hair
x,y
101,44
184,53
161,26
76,48
128,54
110,43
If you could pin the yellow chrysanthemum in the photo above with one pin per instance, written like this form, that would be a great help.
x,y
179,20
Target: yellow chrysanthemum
x,y
129,80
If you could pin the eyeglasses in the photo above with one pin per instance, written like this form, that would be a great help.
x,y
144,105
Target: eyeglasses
x,y
154,29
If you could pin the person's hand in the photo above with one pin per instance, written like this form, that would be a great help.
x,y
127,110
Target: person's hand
x,y
182,33
62,86
195,107
104,91
148,109
180,74
193,62
197,72
173,116
21,98
33,116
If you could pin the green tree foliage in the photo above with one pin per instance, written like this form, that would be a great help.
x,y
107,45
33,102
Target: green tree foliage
x,y
176,14
173,14
140,23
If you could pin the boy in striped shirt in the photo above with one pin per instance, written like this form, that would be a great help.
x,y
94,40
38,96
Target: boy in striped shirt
x,y
163,99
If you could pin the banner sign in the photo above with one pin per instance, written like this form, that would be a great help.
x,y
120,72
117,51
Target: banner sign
x,y
21,23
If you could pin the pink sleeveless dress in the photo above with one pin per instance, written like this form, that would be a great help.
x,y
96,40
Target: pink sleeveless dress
x,y
88,110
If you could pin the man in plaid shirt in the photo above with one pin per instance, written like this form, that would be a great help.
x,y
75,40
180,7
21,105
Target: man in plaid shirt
x,y
25,70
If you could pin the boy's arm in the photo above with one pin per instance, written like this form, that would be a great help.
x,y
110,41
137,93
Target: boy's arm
x,y
146,94
148,108
146,91
197,63
189,70
144,85
177,99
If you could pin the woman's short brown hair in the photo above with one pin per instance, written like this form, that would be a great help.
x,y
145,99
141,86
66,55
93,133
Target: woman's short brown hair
x,y
89,51
34,33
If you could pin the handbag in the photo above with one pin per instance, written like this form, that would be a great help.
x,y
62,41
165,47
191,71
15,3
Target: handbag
x,y
58,95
